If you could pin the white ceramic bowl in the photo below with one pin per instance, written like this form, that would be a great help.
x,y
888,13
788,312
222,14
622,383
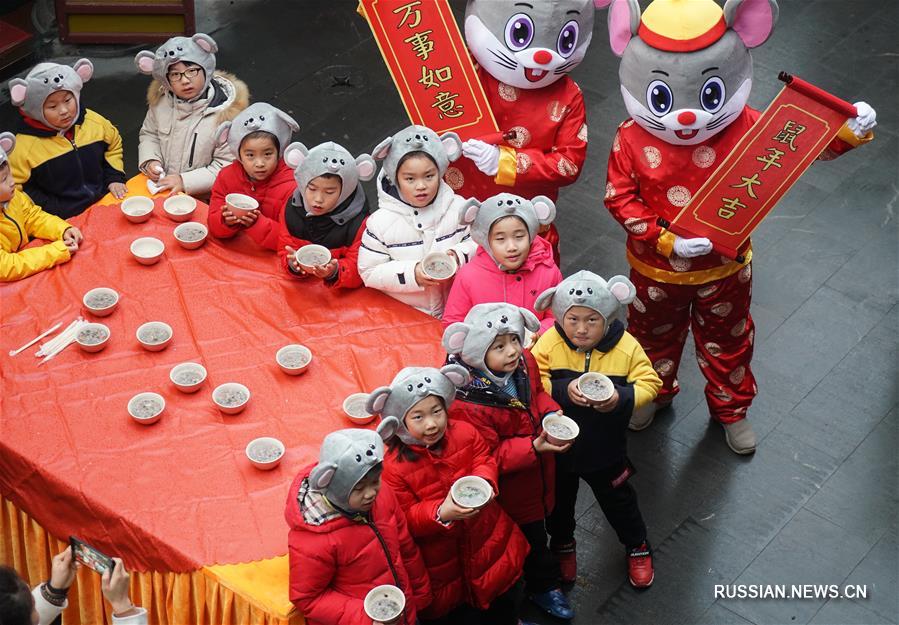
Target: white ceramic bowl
x,y
312,255
384,603
263,445
137,209
241,204
135,408
284,355
554,420
354,408
470,483
222,390
155,327
439,265
188,368
92,347
94,308
179,207
595,386
147,250
189,226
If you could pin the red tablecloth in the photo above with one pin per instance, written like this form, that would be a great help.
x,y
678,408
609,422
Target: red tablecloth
x,y
181,494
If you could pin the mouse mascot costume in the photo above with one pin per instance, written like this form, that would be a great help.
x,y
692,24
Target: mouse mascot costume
x,y
686,74
524,53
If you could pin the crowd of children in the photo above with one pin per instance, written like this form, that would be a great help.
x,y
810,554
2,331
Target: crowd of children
x,y
377,508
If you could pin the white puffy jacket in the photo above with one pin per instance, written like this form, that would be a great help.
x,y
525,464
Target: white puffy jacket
x,y
181,135
397,236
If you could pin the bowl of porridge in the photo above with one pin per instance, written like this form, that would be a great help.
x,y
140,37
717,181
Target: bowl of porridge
x,y
101,301
471,491
231,397
154,336
191,234
179,207
146,408
265,453
293,359
438,265
312,255
354,408
560,430
188,377
147,250
595,386
240,204
137,209
384,603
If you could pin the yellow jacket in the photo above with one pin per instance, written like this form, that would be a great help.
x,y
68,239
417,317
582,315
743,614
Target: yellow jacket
x,y
21,221
602,442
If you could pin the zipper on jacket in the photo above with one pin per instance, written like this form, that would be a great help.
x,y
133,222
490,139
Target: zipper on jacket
x,y
396,578
77,158
19,228
193,146
587,361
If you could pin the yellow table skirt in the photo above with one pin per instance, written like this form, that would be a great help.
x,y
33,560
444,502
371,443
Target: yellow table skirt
x,y
240,594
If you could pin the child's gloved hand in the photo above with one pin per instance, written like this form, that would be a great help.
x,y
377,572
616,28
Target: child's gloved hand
x,y
118,190
542,446
691,248
449,510
484,155
72,238
326,271
865,122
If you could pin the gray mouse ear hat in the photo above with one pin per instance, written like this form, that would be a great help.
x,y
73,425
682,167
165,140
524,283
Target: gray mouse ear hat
x,y
443,149
481,216
345,458
256,117
329,158
44,79
471,339
585,288
7,145
409,387
198,49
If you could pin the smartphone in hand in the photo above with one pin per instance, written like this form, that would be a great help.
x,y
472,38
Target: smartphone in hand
x,y
91,557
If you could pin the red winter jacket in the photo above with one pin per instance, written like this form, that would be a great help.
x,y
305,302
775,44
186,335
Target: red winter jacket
x,y
271,194
526,478
472,561
335,564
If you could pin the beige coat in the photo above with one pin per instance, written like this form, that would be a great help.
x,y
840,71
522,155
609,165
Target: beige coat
x,y
181,135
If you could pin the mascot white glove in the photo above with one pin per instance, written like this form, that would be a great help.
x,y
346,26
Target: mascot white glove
x,y
866,120
691,248
484,155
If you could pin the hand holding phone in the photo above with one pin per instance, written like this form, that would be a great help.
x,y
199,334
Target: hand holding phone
x,y
91,557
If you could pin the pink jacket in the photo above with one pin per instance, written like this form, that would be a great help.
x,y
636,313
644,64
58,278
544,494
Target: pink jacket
x,y
482,282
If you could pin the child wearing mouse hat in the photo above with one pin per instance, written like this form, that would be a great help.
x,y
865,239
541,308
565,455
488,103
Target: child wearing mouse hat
x,y
258,136
348,534
590,336
68,156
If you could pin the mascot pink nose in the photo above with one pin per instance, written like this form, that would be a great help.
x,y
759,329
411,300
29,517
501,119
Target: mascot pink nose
x,y
686,117
542,57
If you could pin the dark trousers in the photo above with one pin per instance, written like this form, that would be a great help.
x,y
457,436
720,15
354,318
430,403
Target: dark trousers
x,y
541,567
502,611
618,504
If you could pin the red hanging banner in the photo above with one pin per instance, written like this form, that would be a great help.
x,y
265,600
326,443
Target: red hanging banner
x,y
792,132
430,66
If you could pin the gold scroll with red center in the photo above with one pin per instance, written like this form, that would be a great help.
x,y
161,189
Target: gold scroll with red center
x,y
792,132
430,66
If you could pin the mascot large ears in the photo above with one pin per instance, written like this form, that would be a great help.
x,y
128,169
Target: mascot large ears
x,y
529,45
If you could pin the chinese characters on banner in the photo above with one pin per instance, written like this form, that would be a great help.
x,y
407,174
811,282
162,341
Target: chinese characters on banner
x,y
429,63
767,161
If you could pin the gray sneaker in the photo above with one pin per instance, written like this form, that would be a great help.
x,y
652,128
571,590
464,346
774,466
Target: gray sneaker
x,y
740,437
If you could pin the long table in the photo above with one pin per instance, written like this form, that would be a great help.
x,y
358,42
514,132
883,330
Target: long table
x,y
178,500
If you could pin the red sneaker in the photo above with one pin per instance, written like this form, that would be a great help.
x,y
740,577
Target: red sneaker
x,y
639,566
567,555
